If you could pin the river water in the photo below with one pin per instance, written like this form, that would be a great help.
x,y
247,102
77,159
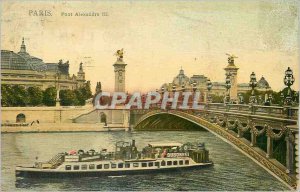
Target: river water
x,y
231,170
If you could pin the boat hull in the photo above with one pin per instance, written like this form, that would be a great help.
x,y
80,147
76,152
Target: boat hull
x,y
59,174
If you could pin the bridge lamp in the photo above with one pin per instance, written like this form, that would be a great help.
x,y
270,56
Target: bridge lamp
x,y
252,84
182,88
289,81
209,87
194,84
282,98
270,99
241,98
173,87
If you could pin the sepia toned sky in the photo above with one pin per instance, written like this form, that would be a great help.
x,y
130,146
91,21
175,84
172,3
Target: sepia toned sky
x,y
159,38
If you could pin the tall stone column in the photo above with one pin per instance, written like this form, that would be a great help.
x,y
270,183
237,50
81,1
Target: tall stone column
x,y
119,67
232,70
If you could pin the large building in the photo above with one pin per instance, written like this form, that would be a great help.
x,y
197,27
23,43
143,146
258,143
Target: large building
x,y
23,69
182,82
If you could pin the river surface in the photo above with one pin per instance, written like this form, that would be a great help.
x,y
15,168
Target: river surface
x,y
231,170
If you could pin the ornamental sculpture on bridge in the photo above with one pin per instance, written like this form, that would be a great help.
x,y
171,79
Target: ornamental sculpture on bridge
x,y
231,58
119,54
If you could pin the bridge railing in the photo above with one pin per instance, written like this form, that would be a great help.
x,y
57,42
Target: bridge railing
x,y
274,111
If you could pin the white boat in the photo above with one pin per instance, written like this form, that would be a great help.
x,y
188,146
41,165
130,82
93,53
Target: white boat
x,y
156,157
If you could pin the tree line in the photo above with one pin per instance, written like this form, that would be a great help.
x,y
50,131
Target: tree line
x,y
19,96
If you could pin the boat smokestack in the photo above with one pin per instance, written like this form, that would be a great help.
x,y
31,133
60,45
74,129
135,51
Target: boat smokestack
x,y
133,143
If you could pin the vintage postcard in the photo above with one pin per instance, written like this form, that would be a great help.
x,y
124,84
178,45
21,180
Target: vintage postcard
x,y
150,95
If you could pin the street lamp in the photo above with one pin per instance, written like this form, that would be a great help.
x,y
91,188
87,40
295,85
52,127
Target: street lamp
x,y
252,84
183,88
194,84
241,98
289,81
282,98
227,86
209,87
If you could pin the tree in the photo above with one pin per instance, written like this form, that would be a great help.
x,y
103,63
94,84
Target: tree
x,y
5,95
67,98
49,96
19,96
35,95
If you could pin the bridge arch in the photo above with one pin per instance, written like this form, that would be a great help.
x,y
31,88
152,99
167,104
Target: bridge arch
x,y
229,137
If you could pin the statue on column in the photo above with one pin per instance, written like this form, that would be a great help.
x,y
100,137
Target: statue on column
x,y
119,54
231,58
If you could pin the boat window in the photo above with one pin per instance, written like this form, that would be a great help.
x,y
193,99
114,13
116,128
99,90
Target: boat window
x,y
106,166
120,165
76,167
186,162
135,164
113,166
91,166
68,167
127,165
174,162
83,167
180,162
163,163
156,164
99,166
169,162
150,164
144,164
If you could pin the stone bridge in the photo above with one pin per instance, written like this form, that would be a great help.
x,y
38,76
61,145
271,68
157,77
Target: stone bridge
x,y
266,134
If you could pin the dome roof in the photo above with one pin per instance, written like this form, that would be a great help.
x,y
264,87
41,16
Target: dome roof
x,y
263,83
11,60
181,79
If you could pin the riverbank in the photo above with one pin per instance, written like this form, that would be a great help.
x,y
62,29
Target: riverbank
x,y
61,127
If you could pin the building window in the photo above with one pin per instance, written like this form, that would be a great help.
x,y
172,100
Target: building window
x,y
186,162
113,166
180,162
99,166
174,162
156,164
106,166
135,164
163,163
150,164
76,167
91,166
120,165
144,164
68,167
127,165
169,162
83,167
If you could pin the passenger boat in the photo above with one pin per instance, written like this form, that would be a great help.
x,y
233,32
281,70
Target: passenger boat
x,y
126,159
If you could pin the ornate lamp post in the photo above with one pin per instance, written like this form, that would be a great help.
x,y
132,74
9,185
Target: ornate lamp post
x,y
289,81
270,99
194,84
182,88
227,86
252,84
173,88
241,98
282,98
209,87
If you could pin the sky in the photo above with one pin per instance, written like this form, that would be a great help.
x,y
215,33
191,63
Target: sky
x,y
159,38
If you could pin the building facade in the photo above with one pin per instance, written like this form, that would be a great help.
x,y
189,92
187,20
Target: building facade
x,y
23,69
182,82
